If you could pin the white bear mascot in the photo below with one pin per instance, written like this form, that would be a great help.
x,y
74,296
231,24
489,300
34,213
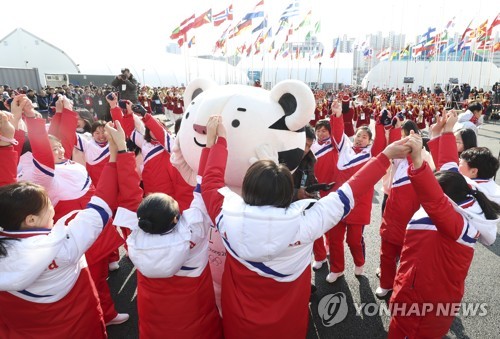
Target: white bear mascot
x,y
260,124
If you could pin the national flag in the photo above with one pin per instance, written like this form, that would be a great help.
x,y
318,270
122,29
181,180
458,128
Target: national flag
x,y
188,25
293,9
285,53
281,26
177,32
332,54
427,35
249,50
257,12
271,47
450,24
495,22
268,34
496,47
180,42
306,21
394,55
467,30
405,52
480,31
262,25
319,55
191,42
242,26
226,14
203,19
384,54
317,27
297,52
367,53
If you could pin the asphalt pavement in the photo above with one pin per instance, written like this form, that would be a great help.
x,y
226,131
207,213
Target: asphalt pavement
x,y
482,288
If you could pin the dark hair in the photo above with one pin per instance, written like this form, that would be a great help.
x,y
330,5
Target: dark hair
x,y
323,123
366,129
457,189
469,138
147,134
156,213
410,125
96,125
177,125
87,117
17,201
475,106
482,159
345,106
310,132
268,184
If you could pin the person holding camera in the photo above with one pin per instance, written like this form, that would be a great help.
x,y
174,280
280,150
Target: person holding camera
x,y
126,85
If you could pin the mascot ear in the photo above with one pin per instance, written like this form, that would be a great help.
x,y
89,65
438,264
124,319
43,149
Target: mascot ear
x,y
297,101
196,87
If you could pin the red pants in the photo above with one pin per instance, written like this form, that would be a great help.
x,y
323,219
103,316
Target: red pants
x,y
426,327
99,273
354,240
389,257
319,249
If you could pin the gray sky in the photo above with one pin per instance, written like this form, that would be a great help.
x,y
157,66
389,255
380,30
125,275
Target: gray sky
x,y
98,27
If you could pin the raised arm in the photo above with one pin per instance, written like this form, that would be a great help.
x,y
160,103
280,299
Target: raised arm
x,y
164,138
8,164
215,168
337,123
431,196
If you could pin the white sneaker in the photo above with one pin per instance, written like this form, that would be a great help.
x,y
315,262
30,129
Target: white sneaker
x,y
119,319
381,292
318,264
113,266
377,272
358,270
333,276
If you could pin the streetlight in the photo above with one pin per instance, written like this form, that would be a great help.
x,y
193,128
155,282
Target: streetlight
x,y
26,63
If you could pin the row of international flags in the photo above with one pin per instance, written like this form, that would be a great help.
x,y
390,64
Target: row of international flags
x,y
253,34
433,45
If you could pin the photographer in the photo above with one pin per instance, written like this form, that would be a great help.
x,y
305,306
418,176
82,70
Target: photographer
x,y
126,85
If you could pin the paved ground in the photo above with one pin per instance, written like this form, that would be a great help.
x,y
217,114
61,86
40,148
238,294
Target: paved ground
x,y
482,286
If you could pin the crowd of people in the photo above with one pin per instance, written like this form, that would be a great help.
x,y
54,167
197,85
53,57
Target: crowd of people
x,y
85,170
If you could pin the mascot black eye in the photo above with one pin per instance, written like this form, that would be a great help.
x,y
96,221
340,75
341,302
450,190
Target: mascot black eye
x,y
235,123
187,115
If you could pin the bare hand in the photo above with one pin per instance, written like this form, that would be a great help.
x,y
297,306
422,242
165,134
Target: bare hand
x,y
7,130
437,128
68,104
129,107
336,108
415,143
302,194
451,120
17,106
212,125
59,104
397,150
116,132
221,129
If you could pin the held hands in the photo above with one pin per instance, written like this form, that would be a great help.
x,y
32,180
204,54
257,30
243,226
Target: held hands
x,y
414,142
7,130
398,149
451,120
215,128
116,135
336,108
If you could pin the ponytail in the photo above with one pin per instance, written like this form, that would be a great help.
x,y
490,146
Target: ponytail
x,y
3,246
490,208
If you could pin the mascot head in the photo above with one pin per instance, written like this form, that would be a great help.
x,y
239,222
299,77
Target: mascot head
x,y
253,117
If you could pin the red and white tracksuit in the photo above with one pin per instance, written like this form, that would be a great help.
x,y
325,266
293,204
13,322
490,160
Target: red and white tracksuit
x,y
437,252
266,281
175,296
325,170
44,276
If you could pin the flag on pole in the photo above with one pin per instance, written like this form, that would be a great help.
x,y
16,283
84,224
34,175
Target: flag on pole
x,y
178,31
495,22
203,19
226,14
262,25
293,9
256,13
332,54
191,42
